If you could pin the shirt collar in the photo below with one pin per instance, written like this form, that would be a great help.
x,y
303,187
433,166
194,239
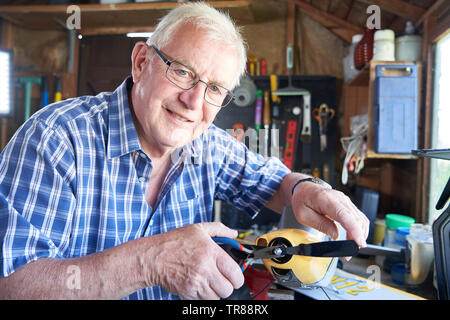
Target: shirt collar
x,y
122,135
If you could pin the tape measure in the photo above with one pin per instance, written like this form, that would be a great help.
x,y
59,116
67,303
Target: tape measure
x,y
245,94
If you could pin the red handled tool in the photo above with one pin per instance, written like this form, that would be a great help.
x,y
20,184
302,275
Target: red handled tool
x,y
238,131
289,149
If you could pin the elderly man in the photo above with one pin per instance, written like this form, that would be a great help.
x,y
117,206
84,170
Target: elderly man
x,y
111,196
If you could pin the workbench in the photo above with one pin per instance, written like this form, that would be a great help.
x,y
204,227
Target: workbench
x,y
352,282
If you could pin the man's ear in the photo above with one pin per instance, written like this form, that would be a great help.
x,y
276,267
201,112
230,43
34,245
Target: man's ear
x,y
139,60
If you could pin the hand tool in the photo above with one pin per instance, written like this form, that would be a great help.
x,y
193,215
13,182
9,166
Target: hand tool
x,y
305,136
323,115
273,88
238,131
58,89
292,250
44,90
252,65
266,122
263,67
276,148
290,90
28,82
258,109
289,148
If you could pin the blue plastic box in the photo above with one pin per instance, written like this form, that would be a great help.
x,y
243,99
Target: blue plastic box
x,y
396,109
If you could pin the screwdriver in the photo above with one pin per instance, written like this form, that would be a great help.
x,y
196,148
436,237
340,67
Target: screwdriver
x,y
266,121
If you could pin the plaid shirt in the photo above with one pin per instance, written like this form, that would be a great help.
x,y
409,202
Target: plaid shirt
x,y
73,181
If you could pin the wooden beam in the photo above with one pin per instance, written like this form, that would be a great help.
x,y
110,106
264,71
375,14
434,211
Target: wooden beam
x,y
343,33
115,7
114,30
341,28
310,10
398,7
50,17
428,12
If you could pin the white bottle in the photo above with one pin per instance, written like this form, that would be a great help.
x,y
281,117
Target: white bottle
x,y
384,45
408,47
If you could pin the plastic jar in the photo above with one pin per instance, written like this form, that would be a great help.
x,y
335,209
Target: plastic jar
x,y
420,259
408,48
384,45
393,222
400,237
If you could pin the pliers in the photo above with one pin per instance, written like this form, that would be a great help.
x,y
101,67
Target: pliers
x,y
246,254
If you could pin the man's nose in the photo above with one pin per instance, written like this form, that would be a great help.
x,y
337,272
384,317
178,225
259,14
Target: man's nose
x,y
194,97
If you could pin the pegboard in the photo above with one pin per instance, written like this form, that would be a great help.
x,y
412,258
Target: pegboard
x,y
323,90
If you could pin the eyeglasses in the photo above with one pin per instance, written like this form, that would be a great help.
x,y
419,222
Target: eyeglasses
x,y
185,78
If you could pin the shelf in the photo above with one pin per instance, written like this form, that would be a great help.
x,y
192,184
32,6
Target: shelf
x,y
110,18
373,155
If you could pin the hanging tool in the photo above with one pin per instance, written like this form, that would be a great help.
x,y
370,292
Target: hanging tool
x,y
44,90
252,60
276,149
245,93
323,115
28,82
286,253
266,122
58,89
263,67
290,90
238,131
305,136
289,148
275,102
258,109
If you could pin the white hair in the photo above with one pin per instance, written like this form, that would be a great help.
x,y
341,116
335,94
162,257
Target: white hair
x,y
218,25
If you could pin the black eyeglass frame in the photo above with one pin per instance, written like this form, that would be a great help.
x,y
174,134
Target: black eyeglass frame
x,y
168,63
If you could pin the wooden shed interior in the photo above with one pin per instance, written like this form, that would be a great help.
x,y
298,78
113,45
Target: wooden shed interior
x,y
96,57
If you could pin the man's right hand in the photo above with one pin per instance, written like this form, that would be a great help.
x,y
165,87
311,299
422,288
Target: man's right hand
x,y
187,262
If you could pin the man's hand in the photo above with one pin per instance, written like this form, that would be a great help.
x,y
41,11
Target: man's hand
x,y
187,262
317,206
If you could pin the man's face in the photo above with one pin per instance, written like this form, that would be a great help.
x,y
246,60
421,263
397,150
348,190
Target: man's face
x,y
169,117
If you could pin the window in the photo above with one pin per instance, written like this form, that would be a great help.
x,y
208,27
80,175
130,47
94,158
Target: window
x,y
440,136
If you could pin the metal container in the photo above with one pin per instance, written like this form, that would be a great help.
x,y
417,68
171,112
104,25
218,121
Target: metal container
x,y
420,254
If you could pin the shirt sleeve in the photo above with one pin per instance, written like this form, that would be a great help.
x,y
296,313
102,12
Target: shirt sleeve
x,y
37,183
245,179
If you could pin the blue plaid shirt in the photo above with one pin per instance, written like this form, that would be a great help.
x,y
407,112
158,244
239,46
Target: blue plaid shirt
x,y
73,180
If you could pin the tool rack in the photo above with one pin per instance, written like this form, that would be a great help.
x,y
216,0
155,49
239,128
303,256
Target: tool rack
x,y
323,90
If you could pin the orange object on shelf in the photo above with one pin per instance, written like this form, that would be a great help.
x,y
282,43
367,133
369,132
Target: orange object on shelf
x,y
364,49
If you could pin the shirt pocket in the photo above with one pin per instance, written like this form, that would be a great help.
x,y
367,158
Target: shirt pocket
x,y
180,211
